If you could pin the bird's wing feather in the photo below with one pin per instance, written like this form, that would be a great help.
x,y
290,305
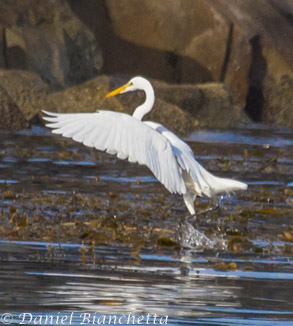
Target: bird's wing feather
x,y
204,183
126,136
202,179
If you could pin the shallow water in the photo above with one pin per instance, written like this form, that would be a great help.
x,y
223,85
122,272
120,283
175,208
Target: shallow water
x,y
51,278
96,224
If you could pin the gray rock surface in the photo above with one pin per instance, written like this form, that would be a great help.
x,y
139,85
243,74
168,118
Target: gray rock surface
x,y
243,44
47,38
216,57
180,108
11,118
26,89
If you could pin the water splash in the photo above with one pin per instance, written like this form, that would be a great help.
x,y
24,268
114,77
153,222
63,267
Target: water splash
x,y
189,237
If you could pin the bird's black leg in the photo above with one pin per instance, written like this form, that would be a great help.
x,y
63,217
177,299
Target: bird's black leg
x,y
216,202
216,205
191,219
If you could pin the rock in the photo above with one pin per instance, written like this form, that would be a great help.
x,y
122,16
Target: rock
x,y
185,96
275,88
26,89
193,45
212,40
278,104
2,42
238,64
182,41
11,118
217,109
166,108
151,20
25,47
225,51
239,43
259,18
47,38
285,7
181,108
208,105
172,117
270,33
88,97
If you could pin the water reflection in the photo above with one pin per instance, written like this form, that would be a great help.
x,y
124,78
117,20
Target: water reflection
x,y
155,286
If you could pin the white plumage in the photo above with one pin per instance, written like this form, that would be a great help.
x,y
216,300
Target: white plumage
x,y
148,143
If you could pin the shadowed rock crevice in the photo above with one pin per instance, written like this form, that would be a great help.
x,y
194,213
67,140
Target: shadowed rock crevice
x,y
257,73
3,48
14,56
228,54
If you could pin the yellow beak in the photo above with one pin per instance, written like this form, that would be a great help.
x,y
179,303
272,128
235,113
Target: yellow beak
x,y
118,90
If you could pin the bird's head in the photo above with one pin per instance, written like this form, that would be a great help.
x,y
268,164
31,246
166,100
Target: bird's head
x,y
136,83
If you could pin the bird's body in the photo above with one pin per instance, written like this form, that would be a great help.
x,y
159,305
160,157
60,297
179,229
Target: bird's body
x,y
148,143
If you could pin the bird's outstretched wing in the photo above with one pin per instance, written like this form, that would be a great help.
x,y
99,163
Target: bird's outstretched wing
x,y
203,182
186,160
125,136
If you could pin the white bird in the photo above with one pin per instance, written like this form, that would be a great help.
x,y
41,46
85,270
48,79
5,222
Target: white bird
x,y
148,143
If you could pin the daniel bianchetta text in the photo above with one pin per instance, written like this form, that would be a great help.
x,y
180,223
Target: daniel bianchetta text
x,y
81,318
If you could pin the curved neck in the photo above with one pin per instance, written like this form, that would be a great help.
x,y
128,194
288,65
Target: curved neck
x,y
147,106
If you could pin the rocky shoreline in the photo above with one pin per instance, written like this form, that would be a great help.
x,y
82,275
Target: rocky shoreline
x,y
213,65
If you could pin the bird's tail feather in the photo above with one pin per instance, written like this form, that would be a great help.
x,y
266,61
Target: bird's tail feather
x,y
227,185
219,185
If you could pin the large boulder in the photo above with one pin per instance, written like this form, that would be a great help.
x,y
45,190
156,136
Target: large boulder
x,y
11,118
244,44
217,109
178,41
278,104
180,108
26,89
87,97
285,7
268,26
90,97
210,105
47,38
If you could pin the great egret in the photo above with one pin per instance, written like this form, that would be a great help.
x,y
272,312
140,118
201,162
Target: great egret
x,y
169,158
